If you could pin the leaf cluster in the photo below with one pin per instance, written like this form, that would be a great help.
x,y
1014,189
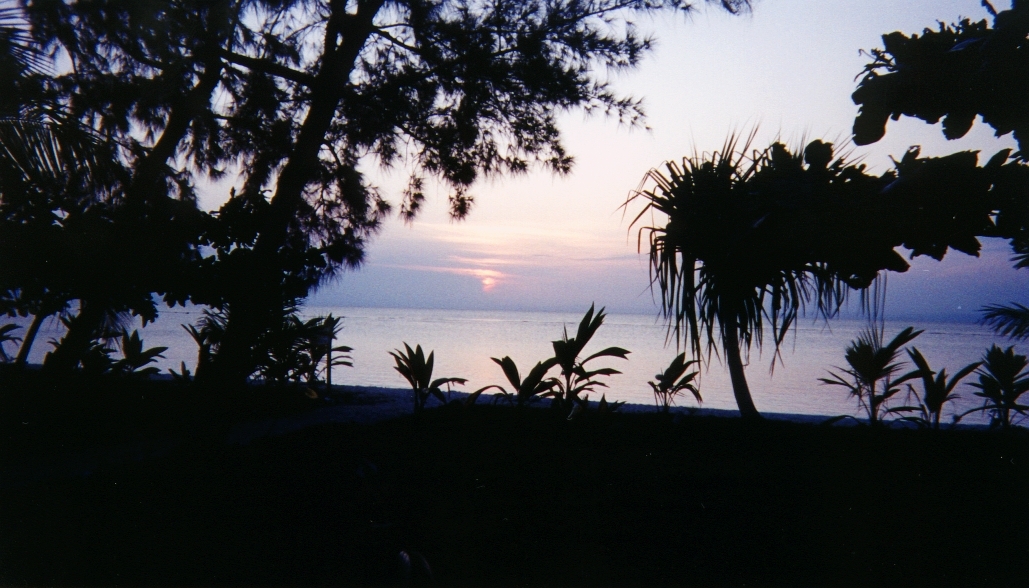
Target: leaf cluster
x,y
5,338
954,73
937,391
1003,379
295,352
416,368
576,378
535,384
873,365
135,360
674,381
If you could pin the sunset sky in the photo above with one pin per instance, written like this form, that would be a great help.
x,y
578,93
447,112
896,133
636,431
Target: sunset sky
x,y
540,242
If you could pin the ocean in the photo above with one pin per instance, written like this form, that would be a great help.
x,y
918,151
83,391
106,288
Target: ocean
x,y
465,340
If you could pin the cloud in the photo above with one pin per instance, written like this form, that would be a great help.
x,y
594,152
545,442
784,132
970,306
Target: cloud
x,y
488,278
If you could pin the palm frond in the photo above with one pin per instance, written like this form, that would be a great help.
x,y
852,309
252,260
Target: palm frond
x,y
17,44
1007,321
754,239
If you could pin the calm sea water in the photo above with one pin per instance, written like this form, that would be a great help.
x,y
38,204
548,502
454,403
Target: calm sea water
x,y
464,341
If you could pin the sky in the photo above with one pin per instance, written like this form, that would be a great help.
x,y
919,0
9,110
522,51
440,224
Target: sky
x,y
540,242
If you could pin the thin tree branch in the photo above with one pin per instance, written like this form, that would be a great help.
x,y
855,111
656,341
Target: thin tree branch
x,y
268,67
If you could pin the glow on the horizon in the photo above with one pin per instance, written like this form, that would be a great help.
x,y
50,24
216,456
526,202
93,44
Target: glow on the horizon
x,y
538,241
488,277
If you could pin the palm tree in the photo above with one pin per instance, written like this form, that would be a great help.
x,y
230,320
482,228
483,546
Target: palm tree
x,y
752,241
52,170
1007,321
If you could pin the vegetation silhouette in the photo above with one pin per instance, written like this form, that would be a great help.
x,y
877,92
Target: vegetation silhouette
x,y
953,73
673,381
296,97
1003,379
416,368
872,361
937,391
5,338
756,238
956,73
535,384
575,378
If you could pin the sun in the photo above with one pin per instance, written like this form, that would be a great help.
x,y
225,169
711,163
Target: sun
x,y
488,284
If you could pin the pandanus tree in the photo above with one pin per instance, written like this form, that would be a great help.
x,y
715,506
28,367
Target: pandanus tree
x,y
750,242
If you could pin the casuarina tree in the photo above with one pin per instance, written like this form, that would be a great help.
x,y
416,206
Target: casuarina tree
x,y
452,91
299,97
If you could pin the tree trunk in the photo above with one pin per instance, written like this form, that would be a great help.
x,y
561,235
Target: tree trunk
x,y
30,336
739,379
77,340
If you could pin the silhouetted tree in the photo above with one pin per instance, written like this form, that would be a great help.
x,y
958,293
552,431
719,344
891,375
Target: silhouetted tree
x,y
451,90
54,174
296,95
167,89
753,240
956,73
953,73
750,240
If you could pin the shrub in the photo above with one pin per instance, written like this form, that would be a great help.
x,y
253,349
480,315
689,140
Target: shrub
x,y
673,381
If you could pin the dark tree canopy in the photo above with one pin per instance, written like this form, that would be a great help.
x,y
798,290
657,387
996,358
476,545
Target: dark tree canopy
x,y
300,97
953,73
956,73
746,242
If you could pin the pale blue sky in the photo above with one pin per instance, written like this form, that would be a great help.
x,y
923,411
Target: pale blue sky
x,y
544,243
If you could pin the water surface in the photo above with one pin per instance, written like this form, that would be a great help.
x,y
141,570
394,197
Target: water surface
x,y
465,340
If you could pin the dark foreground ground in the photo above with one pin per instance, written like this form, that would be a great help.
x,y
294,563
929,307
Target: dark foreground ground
x,y
498,496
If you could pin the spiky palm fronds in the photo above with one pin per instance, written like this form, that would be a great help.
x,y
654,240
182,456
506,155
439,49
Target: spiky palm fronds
x,y
672,381
20,55
937,391
873,362
416,368
1003,380
575,377
1008,321
753,238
